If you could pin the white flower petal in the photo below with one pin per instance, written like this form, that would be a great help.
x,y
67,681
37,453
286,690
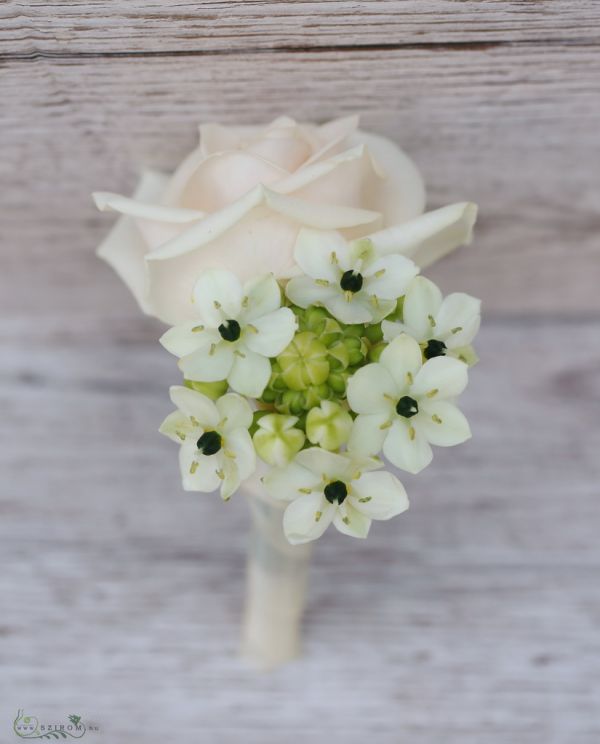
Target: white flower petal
x,y
231,478
379,495
407,452
349,521
264,296
448,428
288,483
430,236
304,291
313,253
388,277
421,304
238,442
177,425
192,403
458,319
357,310
273,332
307,518
321,462
368,388
218,296
204,478
235,411
392,329
182,339
204,366
250,373
444,374
402,358
367,434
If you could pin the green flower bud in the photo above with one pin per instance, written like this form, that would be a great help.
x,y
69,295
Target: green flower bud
x,y
291,401
329,425
373,333
375,351
212,390
304,362
337,382
277,440
314,394
339,358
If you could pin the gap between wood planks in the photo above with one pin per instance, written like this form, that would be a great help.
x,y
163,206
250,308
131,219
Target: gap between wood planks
x,y
445,46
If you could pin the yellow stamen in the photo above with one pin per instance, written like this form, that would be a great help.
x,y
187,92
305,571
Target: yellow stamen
x,y
432,393
322,282
346,520
217,305
212,349
305,490
181,435
457,329
334,258
431,320
386,425
197,329
409,378
379,273
411,433
228,453
436,418
318,516
365,499
194,421
220,474
193,467
239,353
245,301
252,328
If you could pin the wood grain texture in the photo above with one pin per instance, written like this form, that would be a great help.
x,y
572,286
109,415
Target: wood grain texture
x,y
473,618
179,26
515,130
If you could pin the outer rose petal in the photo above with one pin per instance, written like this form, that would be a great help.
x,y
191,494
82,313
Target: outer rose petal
x,y
124,247
431,236
401,194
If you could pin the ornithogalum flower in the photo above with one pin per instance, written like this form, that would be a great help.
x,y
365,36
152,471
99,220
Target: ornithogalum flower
x,y
443,326
352,281
216,450
404,406
323,487
236,331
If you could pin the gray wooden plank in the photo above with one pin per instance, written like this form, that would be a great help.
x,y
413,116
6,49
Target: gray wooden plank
x,y
513,129
473,618
108,26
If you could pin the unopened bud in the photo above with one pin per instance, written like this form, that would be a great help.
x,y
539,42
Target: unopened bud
x,y
329,425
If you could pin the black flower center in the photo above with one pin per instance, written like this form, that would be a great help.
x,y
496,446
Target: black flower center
x,y
229,330
434,348
351,281
335,492
407,406
209,443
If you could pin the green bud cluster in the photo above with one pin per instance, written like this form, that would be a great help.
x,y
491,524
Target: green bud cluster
x,y
318,362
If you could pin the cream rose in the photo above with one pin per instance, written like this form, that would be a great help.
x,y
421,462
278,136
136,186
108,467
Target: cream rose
x,y
238,201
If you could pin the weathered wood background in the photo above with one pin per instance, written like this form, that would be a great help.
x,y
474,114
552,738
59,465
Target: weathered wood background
x,y
474,618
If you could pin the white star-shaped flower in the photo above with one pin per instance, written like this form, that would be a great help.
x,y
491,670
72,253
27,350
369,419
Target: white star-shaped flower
x,y
404,406
349,279
443,326
323,487
216,449
237,330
